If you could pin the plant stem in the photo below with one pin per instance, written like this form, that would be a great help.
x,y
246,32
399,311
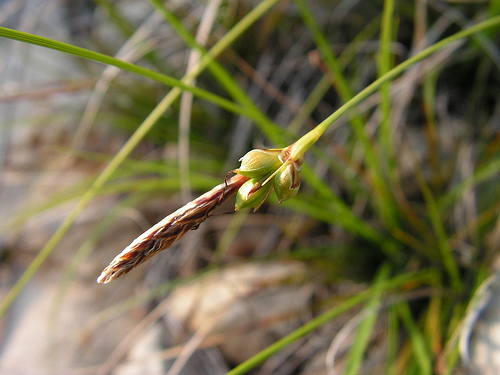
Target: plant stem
x,y
310,138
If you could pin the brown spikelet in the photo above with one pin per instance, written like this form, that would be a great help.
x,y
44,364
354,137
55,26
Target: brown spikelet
x,y
162,235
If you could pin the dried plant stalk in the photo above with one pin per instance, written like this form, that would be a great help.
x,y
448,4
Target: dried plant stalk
x,y
170,229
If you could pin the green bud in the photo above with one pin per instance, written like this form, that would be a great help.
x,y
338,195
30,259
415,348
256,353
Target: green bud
x,y
287,181
252,194
259,163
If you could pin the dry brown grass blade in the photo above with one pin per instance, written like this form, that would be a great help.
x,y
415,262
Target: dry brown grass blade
x,y
162,235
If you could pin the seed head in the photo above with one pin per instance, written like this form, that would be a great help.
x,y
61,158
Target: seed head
x,y
268,169
261,171
162,235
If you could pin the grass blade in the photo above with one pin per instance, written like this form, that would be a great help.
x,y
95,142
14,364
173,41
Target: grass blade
x,y
109,60
390,284
420,350
357,352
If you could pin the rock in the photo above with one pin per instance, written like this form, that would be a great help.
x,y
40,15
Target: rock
x,y
251,305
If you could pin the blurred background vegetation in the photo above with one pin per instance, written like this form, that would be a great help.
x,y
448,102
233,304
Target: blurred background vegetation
x,y
395,227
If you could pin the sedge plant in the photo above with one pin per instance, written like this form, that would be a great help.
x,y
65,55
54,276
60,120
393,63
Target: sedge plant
x,y
279,171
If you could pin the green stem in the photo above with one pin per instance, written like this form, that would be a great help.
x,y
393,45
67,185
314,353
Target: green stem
x,y
393,73
305,143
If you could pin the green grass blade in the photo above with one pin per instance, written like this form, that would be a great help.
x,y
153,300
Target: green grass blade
x,y
311,137
365,329
418,277
84,252
108,60
482,174
392,341
429,96
385,62
338,213
116,17
443,241
200,181
272,130
420,350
